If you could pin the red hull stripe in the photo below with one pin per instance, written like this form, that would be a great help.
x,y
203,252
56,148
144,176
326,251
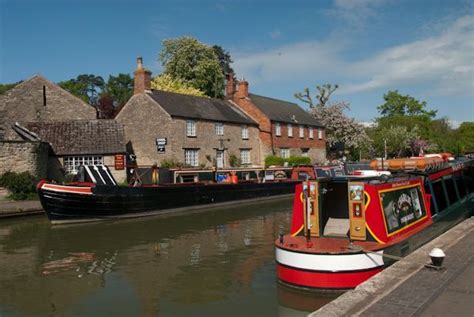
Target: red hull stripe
x,y
67,189
324,280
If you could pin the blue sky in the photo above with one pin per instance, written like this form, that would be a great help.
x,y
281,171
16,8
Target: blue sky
x,y
424,48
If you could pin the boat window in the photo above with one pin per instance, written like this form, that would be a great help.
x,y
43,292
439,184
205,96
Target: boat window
x,y
401,207
461,184
334,207
439,195
323,172
451,189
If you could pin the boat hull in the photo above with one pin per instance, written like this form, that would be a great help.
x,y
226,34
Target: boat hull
x,y
80,204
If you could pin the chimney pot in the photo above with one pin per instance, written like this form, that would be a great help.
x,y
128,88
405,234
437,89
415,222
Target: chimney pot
x,y
139,62
243,91
142,79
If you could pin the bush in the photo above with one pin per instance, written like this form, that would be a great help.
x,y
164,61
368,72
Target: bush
x,y
274,160
299,160
20,185
170,163
234,161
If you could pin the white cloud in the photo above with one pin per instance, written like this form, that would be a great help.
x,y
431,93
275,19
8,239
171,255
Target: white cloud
x,y
356,13
445,61
442,63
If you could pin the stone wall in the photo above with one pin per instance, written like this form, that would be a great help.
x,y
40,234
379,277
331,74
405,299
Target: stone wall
x,y
144,121
19,156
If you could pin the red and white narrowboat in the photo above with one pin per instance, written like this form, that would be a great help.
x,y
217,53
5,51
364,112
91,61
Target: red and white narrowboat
x,y
346,229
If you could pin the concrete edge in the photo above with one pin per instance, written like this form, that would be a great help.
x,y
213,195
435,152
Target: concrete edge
x,y
354,302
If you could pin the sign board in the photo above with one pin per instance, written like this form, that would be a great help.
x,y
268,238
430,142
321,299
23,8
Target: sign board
x,y
119,162
161,149
161,141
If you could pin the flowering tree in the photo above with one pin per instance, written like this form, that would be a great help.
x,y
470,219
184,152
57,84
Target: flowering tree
x,y
166,83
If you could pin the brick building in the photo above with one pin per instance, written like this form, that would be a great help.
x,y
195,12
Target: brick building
x,y
285,129
197,131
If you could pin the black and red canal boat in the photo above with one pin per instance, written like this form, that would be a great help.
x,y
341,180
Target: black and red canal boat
x,y
346,229
100,198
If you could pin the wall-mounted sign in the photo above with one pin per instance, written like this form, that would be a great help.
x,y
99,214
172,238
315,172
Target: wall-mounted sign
x,y
161,149
161,141
119,162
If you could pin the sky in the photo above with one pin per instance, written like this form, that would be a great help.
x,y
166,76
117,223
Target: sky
x,y
424,48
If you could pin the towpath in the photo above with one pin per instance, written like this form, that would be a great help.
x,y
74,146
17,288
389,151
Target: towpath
x,y
10,208
407,288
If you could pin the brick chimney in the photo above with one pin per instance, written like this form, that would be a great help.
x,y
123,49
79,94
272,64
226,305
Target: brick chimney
x,y
243,91
230,86
142,80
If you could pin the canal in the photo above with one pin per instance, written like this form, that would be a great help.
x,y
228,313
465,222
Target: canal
x,y
212,263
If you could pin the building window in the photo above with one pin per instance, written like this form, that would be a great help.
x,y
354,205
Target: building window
x,y
277,129
72,163
320,134
219,128
191,157
285,153
304,152
311,135
301,131
245,156
245,132
190,128
290,130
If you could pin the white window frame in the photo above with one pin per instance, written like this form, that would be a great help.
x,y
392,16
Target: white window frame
x,y
191,157
245,132
311,132
190,128
277,129
219,127
320,134
71,163
301,131
285,152
290,130
245,156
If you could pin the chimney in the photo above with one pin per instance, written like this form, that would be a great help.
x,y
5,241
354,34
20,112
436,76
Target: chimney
x,y
230,87
243,91
142,80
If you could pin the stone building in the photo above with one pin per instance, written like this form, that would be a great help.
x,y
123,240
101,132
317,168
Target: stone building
x,y
197,131
47,131
285,129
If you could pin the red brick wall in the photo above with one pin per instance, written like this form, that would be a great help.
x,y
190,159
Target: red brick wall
x,y
284,141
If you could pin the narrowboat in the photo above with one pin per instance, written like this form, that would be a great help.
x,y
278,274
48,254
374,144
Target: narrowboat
x,y
346,229
97,196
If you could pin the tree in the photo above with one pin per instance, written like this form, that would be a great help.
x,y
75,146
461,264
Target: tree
x,y
224,60
325,91
5,87
106,106
167,83
397,104
466,136
195,63
340,129
119,88
86,86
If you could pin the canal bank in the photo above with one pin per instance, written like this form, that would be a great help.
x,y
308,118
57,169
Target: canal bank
x,y
408,288
20,208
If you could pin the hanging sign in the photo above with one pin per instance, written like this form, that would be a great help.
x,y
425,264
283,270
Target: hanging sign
x,y
160,144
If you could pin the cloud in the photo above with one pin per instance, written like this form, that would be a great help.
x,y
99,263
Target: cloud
x,y
356,13
442,63
275,34
445,62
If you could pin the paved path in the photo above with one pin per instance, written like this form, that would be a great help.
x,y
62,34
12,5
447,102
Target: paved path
x,y
407,288
20,208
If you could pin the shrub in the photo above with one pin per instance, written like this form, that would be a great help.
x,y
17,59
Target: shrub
x,y
234,161
274,160
170,163
299,160
20,185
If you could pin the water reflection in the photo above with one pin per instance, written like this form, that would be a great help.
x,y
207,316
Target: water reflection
x,y
203,264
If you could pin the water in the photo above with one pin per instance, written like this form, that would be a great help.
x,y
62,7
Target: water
x,y
212,263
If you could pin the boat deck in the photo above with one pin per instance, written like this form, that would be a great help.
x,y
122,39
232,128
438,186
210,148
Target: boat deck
x,y
326,245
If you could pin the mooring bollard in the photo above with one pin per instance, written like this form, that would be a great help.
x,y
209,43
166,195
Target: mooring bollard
x,y
437,256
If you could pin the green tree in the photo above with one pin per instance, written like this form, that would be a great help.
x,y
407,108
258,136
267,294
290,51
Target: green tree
x,y
167,83
193,62
224,59
5,87
466,136
119,88
397,104
86,86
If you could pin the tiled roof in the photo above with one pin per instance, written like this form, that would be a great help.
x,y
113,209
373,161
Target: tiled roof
x,y
81,137
187,106
283,111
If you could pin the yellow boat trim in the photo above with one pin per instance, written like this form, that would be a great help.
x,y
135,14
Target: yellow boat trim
x,y
297,232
